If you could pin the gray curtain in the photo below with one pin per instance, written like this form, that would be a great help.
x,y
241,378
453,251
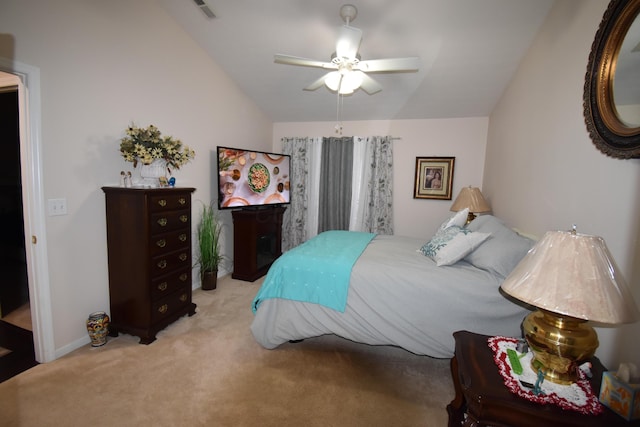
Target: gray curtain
x,y
335,184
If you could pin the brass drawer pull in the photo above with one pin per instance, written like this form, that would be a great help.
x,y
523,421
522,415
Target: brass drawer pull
x,y
161,243
163,263
183,257
183,297
184,218
162,222
182,237
184,277
182,200
162,202
163,308
163,286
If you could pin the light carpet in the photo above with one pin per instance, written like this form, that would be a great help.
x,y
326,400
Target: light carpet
x,y
207,370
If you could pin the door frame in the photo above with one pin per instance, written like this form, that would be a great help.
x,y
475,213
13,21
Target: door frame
x,y
27,78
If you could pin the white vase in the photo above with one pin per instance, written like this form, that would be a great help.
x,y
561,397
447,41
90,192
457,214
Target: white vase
x,y
152,173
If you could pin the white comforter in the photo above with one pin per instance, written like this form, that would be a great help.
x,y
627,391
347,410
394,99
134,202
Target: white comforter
x,y
398,297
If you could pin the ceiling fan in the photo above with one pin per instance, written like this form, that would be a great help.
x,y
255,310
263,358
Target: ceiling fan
x,y
349,71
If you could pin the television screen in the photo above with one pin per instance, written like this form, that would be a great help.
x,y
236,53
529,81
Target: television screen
x,y
249,178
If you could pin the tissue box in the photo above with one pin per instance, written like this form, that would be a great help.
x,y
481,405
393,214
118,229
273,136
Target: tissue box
x,y
621,397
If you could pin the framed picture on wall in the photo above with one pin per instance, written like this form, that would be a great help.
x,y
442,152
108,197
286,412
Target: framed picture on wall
x,y
434,178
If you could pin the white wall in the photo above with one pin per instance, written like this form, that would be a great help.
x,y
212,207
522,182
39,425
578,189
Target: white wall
x,y
463,139
542,171
103,65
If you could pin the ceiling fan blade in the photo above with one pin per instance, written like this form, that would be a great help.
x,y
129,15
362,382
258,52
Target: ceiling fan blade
x,y
390,64
304,62
369,85
317,84
348,42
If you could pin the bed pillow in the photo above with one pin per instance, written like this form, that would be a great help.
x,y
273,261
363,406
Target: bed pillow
x,y
502,251
459,219
451,244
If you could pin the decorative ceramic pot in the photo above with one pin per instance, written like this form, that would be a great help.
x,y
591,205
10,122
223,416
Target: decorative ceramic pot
x,y
152,173
98,328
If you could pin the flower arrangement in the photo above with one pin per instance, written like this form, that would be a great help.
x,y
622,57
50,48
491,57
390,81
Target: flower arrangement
x,y
147,144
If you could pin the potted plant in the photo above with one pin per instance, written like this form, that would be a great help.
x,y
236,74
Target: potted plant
x,y
209,258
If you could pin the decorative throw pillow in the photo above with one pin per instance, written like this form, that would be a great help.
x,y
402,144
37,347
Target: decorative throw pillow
x,y
459,219
503,251
451,244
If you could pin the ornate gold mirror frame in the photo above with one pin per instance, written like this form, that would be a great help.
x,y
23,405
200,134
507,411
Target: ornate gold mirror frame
x,y
607,130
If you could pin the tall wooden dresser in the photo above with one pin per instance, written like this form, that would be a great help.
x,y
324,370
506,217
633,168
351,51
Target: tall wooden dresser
x,y
149,250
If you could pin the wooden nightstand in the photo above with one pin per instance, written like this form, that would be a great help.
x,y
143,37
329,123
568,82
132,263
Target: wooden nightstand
x,y
482,395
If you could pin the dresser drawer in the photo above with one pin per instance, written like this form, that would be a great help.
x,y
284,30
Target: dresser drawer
x,y
168,242
165,285
163,222
167,202
170,304
170,262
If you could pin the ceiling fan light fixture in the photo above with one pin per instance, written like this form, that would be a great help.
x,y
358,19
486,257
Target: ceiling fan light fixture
x,y
343,82
332,80
345,91
351,81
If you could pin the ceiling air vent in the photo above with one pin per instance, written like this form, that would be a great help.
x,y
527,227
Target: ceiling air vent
x,y
204,8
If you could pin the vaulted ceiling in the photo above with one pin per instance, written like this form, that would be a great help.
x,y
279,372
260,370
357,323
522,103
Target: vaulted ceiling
x,y
468,49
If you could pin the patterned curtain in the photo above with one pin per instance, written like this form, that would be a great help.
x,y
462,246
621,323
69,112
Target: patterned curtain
x,y
372,207
300,220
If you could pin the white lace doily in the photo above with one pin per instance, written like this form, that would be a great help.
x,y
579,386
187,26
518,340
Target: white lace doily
x,y
578,396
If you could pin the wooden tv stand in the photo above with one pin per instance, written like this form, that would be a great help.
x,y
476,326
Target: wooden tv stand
x,y
257,241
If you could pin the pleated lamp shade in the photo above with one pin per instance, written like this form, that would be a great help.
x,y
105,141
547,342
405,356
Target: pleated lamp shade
x,y
470,197
574,275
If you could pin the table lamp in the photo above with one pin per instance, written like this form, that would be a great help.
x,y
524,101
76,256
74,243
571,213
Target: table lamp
x,y
470,197
571,278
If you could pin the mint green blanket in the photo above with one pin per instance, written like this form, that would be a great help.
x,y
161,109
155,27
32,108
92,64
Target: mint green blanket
x,y
317,271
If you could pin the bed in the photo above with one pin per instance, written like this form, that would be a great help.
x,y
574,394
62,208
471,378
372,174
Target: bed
x,y
400,291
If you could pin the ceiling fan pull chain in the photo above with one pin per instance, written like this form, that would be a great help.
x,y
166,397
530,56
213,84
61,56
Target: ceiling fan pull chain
x,y
338,126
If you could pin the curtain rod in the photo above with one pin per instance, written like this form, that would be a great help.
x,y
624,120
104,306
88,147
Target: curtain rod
x,y
393,138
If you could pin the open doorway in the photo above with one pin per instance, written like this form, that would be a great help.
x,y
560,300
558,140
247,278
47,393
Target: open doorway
x,y
14,285
27,80
17,351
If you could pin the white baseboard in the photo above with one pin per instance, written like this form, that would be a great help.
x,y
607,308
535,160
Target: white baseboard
x,y
72,346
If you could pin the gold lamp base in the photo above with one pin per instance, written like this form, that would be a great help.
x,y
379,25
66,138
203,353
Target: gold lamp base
x,y
470,217
560,344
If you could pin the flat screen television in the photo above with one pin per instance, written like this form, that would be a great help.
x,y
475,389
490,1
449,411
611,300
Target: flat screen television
x,y
252,179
